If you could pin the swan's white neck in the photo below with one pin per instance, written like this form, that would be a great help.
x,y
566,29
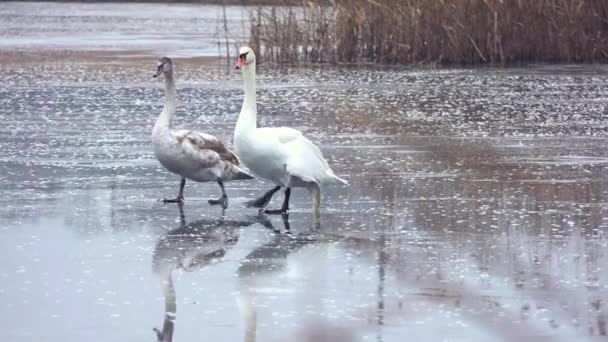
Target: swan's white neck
x,y
247,118
165,119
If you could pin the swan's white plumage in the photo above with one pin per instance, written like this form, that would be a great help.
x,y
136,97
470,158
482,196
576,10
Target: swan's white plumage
x,y
280,154
285,156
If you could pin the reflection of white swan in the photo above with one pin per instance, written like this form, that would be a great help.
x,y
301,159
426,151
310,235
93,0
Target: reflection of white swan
x,y
189,248
264,267
280,154
288,276
194,155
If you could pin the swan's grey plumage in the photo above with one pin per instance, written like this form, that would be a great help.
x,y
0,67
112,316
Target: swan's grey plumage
x,y
191,154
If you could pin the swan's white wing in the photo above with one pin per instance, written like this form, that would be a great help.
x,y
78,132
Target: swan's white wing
x,y
205,148
288,141
300,157
304,159
286,134
306,162
277,135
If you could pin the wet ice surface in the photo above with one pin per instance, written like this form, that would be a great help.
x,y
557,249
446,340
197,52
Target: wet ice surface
x,y
449,228
476,210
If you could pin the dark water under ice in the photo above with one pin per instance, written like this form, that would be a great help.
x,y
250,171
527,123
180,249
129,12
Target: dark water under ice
x,y
477,209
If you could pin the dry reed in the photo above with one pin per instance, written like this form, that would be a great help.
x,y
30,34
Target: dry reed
x,y
462,32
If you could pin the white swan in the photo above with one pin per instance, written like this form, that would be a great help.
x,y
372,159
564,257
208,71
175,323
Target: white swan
x,y
194,155
280,154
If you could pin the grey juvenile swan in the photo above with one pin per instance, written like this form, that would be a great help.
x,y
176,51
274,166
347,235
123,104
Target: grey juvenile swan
x,y
194,155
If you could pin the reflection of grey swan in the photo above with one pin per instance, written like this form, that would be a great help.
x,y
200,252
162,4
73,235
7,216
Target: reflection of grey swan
x,y
189,248
280,154
194,155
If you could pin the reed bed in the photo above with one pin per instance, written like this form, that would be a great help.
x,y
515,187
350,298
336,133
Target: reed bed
x,y
448,32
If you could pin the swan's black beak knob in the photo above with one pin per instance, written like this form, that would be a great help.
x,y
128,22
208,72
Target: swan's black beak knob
x,y
158,71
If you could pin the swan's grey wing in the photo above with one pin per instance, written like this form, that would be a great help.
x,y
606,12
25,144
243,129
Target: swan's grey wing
x,y
205,147
212,248
188,252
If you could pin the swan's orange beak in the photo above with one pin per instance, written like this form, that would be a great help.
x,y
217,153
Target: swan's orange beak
x,y
240,63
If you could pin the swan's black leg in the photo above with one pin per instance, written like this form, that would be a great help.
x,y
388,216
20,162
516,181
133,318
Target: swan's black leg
x,y
285,208
263,201
223,200
180,194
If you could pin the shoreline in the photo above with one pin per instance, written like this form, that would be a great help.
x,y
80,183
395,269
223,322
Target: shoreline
x,y
92,56
240,3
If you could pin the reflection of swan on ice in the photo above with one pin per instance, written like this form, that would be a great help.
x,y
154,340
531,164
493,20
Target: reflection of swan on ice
x,y
261,262
189,248
287,263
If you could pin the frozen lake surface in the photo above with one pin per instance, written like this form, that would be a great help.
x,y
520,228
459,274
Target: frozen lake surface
x,y
477,209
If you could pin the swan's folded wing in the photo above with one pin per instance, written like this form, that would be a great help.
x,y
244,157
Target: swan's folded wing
x,y
306,161
287,134
300,145
205,145
284,135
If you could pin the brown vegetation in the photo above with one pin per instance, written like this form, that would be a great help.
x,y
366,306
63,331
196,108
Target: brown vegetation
x,y
461,32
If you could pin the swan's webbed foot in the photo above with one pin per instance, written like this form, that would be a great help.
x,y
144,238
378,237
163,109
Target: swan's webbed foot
x,y
263,200
222,201
174,200
180,194
282,211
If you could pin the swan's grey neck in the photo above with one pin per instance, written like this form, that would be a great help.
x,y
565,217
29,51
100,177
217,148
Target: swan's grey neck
x,y
247,118
166,117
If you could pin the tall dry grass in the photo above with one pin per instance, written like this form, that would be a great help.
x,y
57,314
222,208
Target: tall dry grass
x,y
433,31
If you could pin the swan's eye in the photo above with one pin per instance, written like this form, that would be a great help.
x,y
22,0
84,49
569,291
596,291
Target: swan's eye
x,y
243,55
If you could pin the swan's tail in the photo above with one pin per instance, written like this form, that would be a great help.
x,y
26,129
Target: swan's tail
x,y
332,178
236,173
243,175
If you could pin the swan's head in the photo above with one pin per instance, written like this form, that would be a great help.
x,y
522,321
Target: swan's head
x,y
246,57
165,65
